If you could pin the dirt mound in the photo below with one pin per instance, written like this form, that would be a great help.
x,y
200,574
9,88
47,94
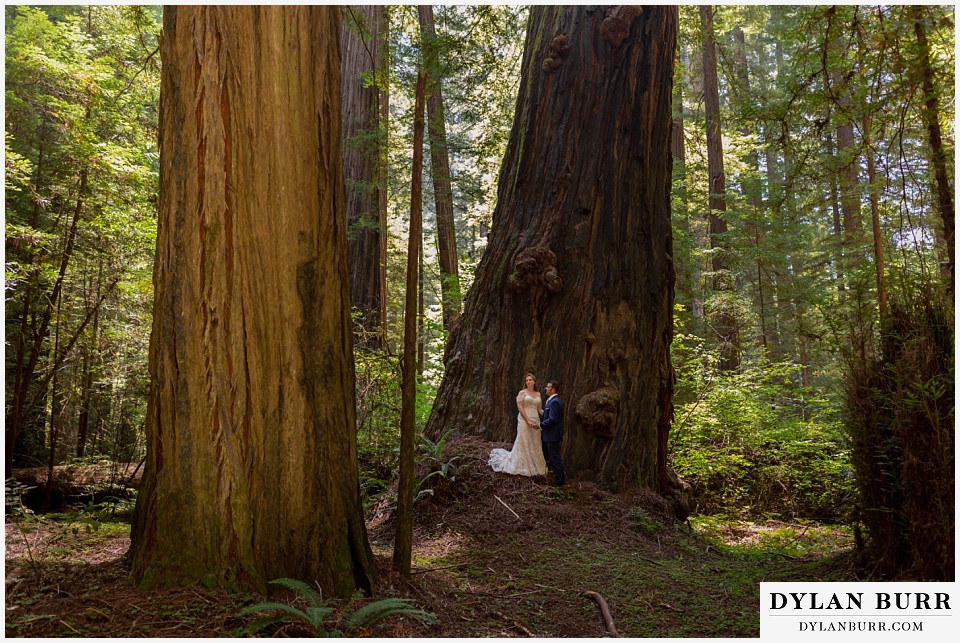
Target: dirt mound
x,y
502,542
479,500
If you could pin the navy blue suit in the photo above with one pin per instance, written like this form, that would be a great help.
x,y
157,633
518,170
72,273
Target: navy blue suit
x,y
551,434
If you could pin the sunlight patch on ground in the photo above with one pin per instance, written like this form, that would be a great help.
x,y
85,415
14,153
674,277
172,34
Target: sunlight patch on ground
x,y
790,538
432,552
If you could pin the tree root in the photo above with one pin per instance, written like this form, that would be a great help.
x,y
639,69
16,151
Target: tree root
x,y
605,610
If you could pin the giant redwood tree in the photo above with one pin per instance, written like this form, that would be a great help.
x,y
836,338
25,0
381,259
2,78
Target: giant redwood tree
x,y
363,65
251,469
576,283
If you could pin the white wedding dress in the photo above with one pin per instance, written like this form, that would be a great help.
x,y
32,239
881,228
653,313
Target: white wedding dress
x,y
526,457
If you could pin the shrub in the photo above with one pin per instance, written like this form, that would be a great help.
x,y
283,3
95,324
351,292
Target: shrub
x,y
756,443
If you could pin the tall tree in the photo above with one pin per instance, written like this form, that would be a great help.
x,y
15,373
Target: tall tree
x,y
724,322
931,119
251,471
577,280
363,60
440,170
403,543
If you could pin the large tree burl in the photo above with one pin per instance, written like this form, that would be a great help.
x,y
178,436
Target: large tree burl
x,y
598,411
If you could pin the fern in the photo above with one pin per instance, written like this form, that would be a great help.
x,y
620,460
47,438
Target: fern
x,y
318,610
376,611
309,594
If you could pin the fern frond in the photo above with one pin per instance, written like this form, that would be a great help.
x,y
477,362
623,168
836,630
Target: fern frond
x,y
289,610
317,614
306,591
373,612
261,623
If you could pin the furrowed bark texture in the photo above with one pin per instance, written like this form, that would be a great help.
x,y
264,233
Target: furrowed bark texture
x,y
576,283
251,472
366,221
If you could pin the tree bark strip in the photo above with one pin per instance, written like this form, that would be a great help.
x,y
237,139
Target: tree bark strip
x,y
723,322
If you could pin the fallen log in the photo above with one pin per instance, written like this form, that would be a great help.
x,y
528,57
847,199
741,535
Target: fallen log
x,y
78,483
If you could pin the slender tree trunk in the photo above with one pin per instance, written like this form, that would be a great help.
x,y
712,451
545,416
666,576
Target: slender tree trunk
x,y
403,543
87,394
383,159
837,231
938,155
576,282
700,229
875,217
723,321
753,190
56,408
421,313
849,184
23,403
361,39
440,168
677,134
251,470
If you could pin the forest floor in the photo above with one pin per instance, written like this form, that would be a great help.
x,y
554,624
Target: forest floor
x,y
494,556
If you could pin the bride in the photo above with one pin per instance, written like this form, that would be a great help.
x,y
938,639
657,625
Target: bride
x,y
526,457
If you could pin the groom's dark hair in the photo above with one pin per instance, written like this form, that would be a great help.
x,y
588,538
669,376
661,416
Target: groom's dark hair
x,y
555,384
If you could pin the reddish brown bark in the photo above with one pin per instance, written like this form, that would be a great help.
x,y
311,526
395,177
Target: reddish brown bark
x,y
251,471
938,155
364,134
723,322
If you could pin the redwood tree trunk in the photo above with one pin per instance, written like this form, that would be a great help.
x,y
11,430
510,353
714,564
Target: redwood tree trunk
x,y
440,169
576,283
251,470
364,135
723,321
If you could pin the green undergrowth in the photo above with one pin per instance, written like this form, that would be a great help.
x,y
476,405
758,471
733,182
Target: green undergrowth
x,y
758,442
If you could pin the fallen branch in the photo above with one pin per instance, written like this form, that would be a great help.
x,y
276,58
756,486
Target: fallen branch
x,y
605,611
437,569
524,630
508,507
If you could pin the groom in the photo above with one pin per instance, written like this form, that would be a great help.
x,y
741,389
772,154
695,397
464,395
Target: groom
x,y
551,430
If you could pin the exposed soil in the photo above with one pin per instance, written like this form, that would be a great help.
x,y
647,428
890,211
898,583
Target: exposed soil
x,y
494,556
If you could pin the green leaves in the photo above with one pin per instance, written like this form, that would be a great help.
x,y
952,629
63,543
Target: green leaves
x,y
756,442
82,93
